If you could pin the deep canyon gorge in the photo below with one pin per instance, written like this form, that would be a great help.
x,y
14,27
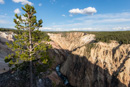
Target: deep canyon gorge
x,y
85,62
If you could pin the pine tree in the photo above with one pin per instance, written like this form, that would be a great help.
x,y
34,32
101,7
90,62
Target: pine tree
x,y
29,47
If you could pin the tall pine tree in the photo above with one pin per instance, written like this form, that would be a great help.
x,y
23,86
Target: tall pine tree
x,y
29,47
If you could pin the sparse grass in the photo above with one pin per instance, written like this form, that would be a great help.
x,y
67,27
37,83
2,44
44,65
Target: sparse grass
x,y
88,49
63,35
90,46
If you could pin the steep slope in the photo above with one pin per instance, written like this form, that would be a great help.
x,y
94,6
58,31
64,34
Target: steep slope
x,y
4,50
86,63
70,41
101,65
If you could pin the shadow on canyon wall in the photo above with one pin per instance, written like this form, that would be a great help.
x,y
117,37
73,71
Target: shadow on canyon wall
x,y
82,73
79,71
114,49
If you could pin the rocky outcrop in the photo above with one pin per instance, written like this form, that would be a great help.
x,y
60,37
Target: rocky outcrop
x,y
70,41
4,50
108,64
22,79
6,37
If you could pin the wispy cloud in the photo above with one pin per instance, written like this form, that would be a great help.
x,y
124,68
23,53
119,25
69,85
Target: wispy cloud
x,y
63,15
2,2
71,29
23,2
71,15
2,16
2,21
97,22
40,4
52,1
6,21
104,19
45,28
105,16
50,29
121,28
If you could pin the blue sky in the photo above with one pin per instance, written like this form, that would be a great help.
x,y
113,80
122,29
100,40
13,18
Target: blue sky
x,y
69,15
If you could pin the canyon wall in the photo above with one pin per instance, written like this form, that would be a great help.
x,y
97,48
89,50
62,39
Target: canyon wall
x,y
87,63
4,50
83,61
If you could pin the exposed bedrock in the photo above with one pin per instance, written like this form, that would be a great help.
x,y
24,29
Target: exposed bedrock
x,y
4,50
84,62
104,65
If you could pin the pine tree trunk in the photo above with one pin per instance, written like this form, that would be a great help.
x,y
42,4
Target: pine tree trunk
x,y
31,74
30,49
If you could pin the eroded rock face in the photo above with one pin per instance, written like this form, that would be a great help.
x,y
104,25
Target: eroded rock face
x,y
6,37
70,41
4,50
108,64
105,67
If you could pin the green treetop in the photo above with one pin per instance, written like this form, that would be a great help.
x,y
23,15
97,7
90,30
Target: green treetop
x,y
29,46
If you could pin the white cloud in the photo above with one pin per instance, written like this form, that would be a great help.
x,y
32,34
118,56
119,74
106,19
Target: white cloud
x,y
40,4
89,11
63,15
23,2
17,11
2,2
24,18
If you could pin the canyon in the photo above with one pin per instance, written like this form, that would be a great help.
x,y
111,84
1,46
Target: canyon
x,y
85,62
102,65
